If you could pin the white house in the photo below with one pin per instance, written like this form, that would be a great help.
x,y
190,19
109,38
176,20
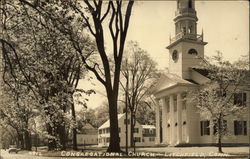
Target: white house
x,y
177,120
87,136
144,135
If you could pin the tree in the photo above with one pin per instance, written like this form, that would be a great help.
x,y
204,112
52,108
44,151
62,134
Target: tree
x,y
8,135
138,72
96,117
145,114
16,111
39,57
216,99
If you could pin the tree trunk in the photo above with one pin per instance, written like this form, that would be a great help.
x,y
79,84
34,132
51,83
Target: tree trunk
x,y
20,143
219,136
131,129
27,140
114,145
74,132
62,137
51,141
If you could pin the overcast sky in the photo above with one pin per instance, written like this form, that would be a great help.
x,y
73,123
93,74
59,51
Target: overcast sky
x,y
225,25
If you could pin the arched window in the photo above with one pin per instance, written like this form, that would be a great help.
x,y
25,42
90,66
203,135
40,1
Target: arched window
x,y
179,4
184,123
184,30
190,29
192,52
189,3
168,125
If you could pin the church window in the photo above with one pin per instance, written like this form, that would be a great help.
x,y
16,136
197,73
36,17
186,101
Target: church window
x,y
179,4
240,127
175,55
205,129
168,125
189,3
184,30
240,99
190,29
192,52
184,122
175,124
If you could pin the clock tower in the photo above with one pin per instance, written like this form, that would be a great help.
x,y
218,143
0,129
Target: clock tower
x,y
187,47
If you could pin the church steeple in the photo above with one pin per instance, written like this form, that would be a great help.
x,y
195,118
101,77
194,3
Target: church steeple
x,y
186,21
187,44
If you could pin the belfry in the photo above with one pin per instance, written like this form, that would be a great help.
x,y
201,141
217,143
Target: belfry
x,y
186,47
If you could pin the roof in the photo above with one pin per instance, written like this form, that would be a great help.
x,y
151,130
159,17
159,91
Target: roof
x,y
87,129
192,81
201,71
168,80
88,126
107,123
148,126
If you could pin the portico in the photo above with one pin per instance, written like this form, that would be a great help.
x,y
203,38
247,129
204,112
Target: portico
x,y
171,113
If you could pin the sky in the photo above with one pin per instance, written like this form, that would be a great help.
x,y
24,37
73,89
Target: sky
x,y
225,26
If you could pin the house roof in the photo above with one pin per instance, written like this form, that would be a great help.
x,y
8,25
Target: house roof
x,y
88,126
107,123
87,129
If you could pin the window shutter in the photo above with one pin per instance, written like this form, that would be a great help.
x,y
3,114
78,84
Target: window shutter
x,y
235,127
244,99
207,127
201,128
245,127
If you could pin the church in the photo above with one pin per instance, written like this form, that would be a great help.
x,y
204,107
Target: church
x,y
177,121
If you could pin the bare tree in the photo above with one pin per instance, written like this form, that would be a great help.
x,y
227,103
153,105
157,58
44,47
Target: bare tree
x,y
139,73
118,23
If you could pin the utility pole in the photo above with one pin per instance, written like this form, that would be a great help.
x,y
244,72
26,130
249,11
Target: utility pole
x,y
126,105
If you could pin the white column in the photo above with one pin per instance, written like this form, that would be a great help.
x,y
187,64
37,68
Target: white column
x,y
179,118
157,114
164,121
171,105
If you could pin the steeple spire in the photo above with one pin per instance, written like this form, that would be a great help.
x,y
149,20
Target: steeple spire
x,y
186,21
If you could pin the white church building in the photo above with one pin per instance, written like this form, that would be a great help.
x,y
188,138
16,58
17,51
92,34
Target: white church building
x,y
177,120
